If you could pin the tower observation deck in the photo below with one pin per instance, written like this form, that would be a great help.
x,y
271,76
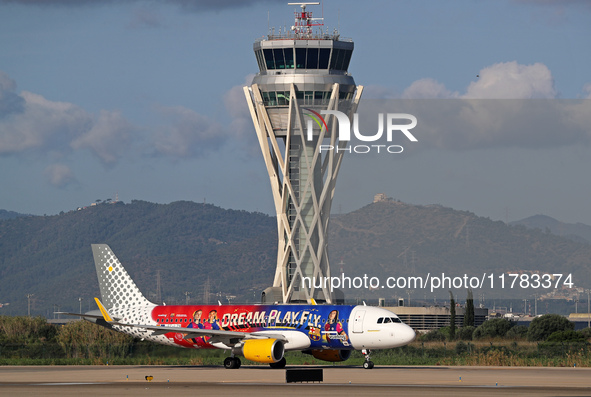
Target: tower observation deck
x,y
301,74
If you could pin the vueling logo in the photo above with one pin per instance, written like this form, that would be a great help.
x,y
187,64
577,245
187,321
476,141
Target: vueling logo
x,y
345,130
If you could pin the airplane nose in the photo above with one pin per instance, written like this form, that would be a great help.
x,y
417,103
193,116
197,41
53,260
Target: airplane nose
x,y
408,334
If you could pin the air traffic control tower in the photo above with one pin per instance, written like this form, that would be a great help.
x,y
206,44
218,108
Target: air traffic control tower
x,y
302,74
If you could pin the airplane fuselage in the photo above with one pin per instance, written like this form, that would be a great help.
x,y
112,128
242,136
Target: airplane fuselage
x,y
305,326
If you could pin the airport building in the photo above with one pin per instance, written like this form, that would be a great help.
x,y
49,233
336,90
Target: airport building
x,y
303,77
428,318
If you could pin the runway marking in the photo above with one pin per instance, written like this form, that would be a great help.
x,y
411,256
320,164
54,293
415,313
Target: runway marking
x,y
68,384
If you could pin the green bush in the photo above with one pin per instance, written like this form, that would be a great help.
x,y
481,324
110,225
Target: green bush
x,y
465,333
517,332
586,332
564,336
433,336
461,348
542,327
496,327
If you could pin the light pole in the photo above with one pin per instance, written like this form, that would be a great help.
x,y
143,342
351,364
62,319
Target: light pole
x,y
29,296
80,300
187,293
409,291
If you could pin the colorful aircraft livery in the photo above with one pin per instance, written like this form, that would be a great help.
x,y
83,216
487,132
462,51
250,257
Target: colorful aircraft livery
x,y
260,333
325,326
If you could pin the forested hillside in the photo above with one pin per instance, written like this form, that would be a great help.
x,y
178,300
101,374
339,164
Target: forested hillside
x,y
189,243
392,238
186,242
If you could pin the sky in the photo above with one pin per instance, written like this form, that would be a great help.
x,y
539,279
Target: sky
x,y
143,100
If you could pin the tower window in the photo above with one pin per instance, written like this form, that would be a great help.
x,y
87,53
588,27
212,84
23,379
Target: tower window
x,y
346,59
288,54
323,58
279,59
269,61
300,58
340,59
260,60
312,58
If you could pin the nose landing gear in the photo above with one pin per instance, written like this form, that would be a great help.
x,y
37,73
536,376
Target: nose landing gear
x,y
368,364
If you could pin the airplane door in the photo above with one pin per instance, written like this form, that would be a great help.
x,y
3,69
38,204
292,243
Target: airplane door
x,y
358,321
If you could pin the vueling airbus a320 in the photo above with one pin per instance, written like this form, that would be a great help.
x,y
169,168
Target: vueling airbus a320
x,y
260,333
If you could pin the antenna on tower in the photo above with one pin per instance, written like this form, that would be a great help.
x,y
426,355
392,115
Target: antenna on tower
x,y
303,20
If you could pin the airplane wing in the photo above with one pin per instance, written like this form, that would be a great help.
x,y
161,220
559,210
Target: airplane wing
x,y
85,315
226,337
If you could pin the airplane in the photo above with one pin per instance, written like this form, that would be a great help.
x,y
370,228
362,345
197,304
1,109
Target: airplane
x,y
258,332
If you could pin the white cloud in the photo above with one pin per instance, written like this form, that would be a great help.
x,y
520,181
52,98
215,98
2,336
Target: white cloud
x,y
510,105
59,175
427,88
190,134
30,123
42,125
109,137
510,80
237,107
10,102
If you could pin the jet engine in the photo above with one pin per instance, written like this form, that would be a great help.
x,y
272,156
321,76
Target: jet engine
x,y
261,350
331,355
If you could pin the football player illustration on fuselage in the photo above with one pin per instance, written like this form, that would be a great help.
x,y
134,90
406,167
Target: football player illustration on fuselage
x,y
334,332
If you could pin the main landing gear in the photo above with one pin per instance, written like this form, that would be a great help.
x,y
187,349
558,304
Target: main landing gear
x,y
368,364
232,363
279,364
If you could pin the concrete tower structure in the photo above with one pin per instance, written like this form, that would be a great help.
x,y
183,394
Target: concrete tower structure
x,y
302,74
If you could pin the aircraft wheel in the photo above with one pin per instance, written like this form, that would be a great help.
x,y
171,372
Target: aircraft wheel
x,y
232,363
368,365
279,364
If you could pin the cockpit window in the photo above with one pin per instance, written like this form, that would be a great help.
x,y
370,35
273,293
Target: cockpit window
x,y
388,320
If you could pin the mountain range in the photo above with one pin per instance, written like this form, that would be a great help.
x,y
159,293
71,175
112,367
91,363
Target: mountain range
x,y
574,231
186,250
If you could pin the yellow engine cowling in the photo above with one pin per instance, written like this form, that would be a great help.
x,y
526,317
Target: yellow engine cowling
x,y
331,355
262,350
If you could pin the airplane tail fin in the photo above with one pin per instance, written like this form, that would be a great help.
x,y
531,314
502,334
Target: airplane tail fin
x,y
116,286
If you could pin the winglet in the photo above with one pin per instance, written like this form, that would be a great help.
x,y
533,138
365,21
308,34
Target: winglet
x,y
104,311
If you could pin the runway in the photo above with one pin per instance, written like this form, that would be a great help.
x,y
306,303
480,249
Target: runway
x,y
262,381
